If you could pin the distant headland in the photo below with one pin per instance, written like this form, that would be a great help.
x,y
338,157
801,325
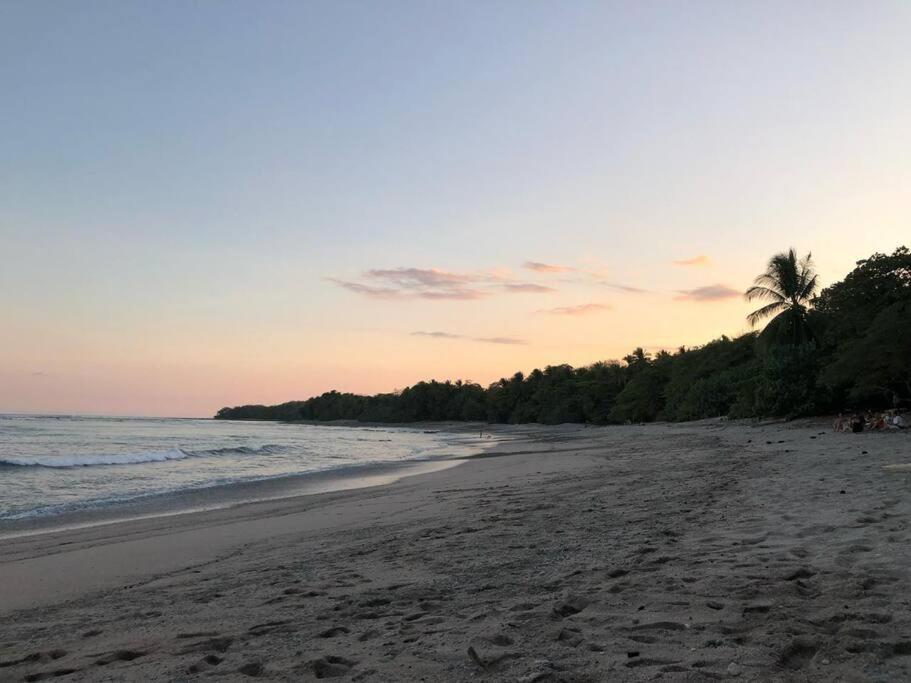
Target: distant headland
x,y
844,348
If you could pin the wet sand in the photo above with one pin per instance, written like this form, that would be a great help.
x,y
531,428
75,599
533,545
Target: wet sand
x,y
223,496
682,552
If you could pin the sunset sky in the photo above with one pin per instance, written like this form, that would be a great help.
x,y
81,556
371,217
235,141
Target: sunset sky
x,y
211,203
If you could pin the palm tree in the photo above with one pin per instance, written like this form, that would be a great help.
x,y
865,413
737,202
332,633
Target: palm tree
x,y
788,284
637,356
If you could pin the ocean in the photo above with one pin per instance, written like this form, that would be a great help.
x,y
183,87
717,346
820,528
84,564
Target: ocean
x,y
54,465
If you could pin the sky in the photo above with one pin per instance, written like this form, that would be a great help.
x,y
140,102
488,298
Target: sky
x,y
215,203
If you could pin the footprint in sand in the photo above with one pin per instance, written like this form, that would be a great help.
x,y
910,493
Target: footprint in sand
x,y
204,664
218,644
798,654
334,631
331,666
252,669
570,606
270,627
35,657
799,573
120,656
570,636
44,675
485,656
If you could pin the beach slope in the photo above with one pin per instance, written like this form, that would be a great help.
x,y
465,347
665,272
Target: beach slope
x,y
688,552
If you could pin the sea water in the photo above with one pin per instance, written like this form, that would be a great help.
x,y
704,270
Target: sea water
x,y
50,465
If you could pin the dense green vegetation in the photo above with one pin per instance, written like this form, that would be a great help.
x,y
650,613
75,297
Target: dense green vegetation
x,y
846,347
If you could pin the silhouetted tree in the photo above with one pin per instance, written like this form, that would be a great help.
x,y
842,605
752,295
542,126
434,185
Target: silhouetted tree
x,y
788,284
850,348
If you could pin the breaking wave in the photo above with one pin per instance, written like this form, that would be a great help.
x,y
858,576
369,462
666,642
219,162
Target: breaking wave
x,y
131,458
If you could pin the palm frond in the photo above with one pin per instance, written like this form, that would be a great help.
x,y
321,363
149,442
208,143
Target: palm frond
x,y
770,280
786,272
767,310
809,287
759,292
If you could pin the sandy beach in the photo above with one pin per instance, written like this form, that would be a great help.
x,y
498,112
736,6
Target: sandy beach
x,y
681,552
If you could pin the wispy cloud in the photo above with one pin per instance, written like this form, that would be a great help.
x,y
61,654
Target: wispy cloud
x,y
500,340
587,279
367,290
579,309
624,288
701,260
435,284
431,283
707,293
483,340
526,288
437,335
539,267
456,294
593,275
421,277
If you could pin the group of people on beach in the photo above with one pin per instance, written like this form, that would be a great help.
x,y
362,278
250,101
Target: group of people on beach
x,y
891,419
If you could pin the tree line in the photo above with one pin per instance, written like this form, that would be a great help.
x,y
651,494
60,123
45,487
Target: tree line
x,y
846,347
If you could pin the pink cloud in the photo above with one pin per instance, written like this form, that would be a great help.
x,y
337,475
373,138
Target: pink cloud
x,y
435,284
701,260
707,293
624,288
500,340
539,267
580,309
367,290
526,288
483,340
437,335
420,277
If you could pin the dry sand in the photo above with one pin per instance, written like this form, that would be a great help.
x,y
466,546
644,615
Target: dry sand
x,y
693,552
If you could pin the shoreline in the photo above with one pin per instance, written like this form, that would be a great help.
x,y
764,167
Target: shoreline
x,y
220,495
40,578
584,554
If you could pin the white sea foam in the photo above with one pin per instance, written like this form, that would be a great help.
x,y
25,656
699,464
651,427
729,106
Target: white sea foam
x,y
87,460
133,458
53,465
